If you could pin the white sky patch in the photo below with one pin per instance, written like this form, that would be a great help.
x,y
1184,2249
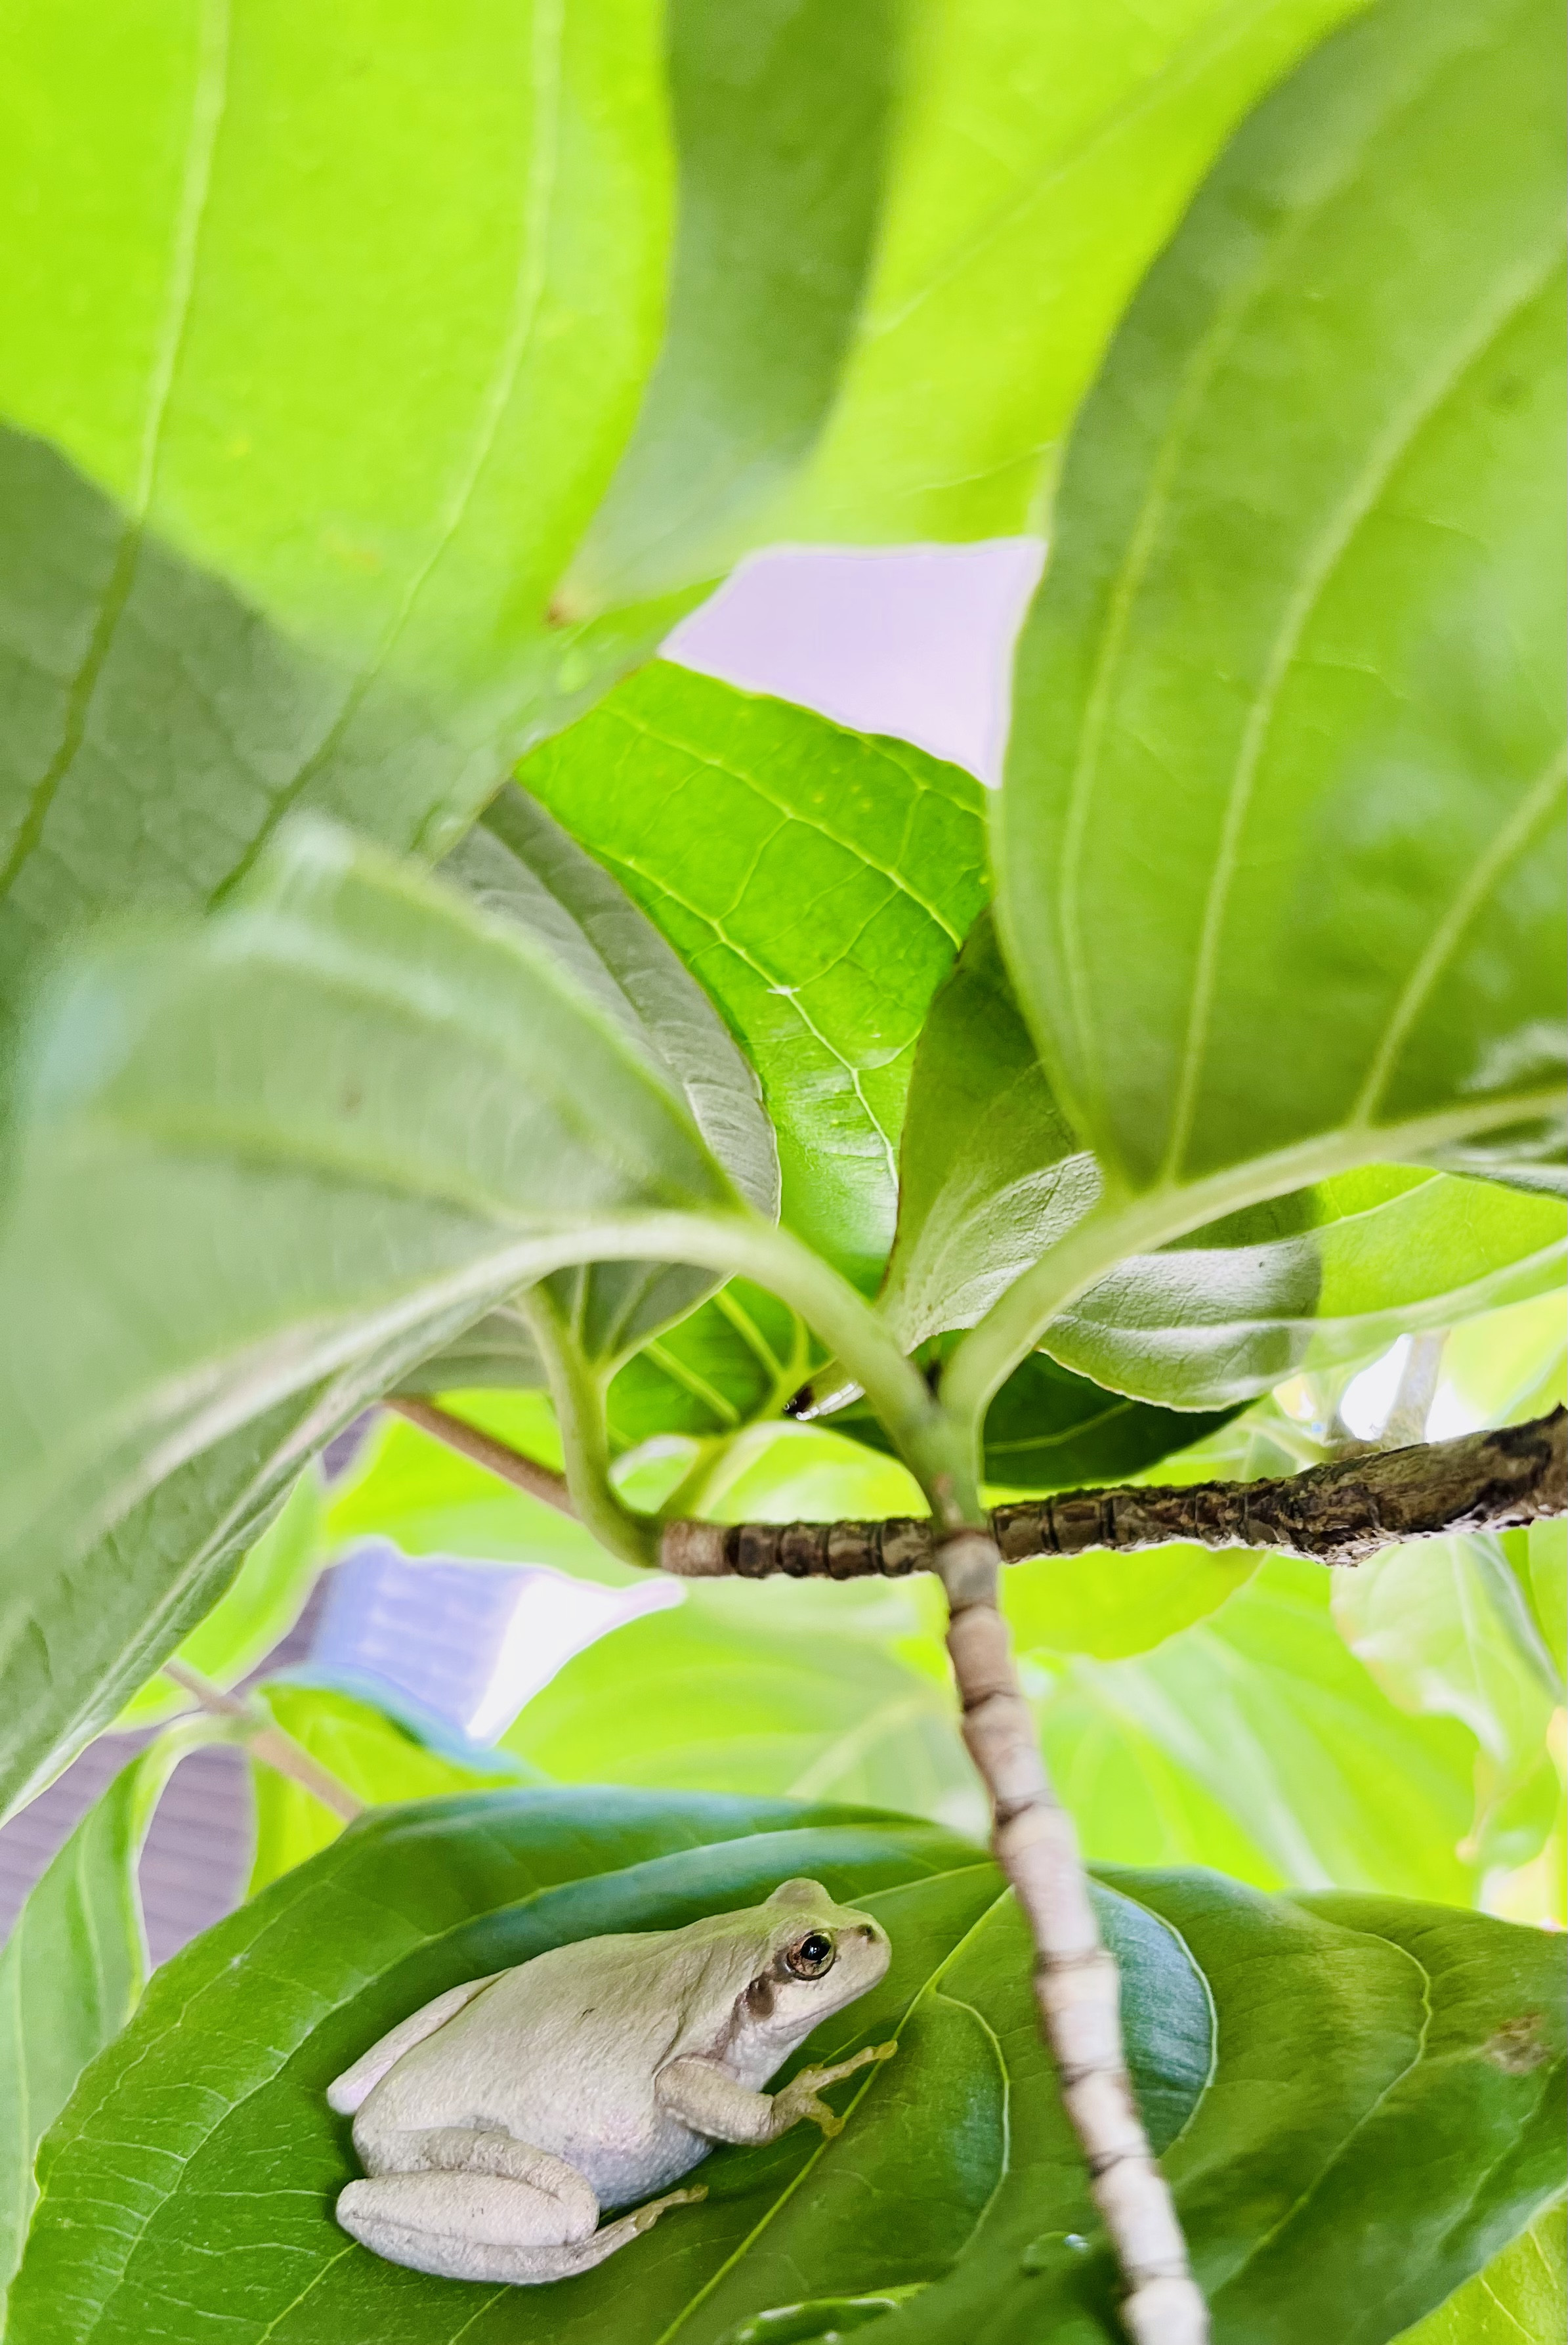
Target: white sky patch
x,y
1368,1397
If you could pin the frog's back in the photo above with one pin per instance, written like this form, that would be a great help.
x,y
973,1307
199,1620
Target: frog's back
x,y
560,2052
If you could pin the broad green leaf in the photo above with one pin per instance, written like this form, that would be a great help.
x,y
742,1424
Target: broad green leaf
x,y
1045,153
255,1611
1520,2298
736,1359
71,1973
1262,1712
372,1754
1446,1630
816,882
1383,2114
1389,2151
766,1690
992,1175
521,865
316,1136
326,330
290,1988
1299,639
780,119
1109,1606
1048,1429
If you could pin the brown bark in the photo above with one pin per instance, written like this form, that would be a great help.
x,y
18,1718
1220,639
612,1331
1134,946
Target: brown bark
x,y
1335,1514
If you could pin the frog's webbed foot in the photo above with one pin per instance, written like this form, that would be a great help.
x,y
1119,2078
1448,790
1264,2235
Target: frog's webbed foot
x,y
800,2098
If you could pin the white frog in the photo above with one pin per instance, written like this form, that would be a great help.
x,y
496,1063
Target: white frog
x,y
496,2122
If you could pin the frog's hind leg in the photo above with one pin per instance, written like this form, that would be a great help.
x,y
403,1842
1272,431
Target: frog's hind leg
x,y
470,2205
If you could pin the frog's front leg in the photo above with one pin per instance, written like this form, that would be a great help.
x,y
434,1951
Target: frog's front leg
x,y
473,2205
703,2096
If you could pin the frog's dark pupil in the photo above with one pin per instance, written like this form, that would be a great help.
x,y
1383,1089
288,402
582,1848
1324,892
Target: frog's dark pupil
x,y
810,1957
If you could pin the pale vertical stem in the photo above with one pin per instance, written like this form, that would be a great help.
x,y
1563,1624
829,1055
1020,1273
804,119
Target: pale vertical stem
x,y
1405,1422
1077,1983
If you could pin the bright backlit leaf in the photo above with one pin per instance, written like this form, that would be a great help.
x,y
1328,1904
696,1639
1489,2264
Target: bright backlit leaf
x,y
327,329
1300,639
816,882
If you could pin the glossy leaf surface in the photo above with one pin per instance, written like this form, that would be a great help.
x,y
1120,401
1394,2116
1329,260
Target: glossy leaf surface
x,y
315,1137
1323,1998
1044,154
1389,2046
1300,637
992,1174
326,332
817,883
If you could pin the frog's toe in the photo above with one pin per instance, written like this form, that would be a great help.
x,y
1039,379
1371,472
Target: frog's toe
x,y
646,2217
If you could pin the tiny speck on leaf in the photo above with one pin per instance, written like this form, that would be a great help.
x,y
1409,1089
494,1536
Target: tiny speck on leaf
x,y
1516,2047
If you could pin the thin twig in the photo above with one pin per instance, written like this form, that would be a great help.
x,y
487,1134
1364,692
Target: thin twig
x,y
1338,1513
511,1466
1077,1981
265,1740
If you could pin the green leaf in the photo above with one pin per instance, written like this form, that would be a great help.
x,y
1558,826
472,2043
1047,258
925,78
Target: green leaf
x,y
1446,1630
518,865
374,1755
816,882
328,330
312,1139
1048,1429
1383,2114
1520,2298
406,1903
735,1361
992,1175
1109,1606
781,120
1255,1741
1045,153
255,1611
1380,2170
793,1693
71,1973
1300,639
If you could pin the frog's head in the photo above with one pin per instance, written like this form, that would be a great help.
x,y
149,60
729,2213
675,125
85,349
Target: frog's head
x,y
816,1957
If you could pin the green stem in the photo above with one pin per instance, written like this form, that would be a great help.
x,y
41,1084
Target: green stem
x,y
928,1439
1120,1226
579,1398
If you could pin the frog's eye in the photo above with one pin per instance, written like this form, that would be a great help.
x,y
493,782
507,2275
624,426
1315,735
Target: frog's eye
x,y
810,1956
